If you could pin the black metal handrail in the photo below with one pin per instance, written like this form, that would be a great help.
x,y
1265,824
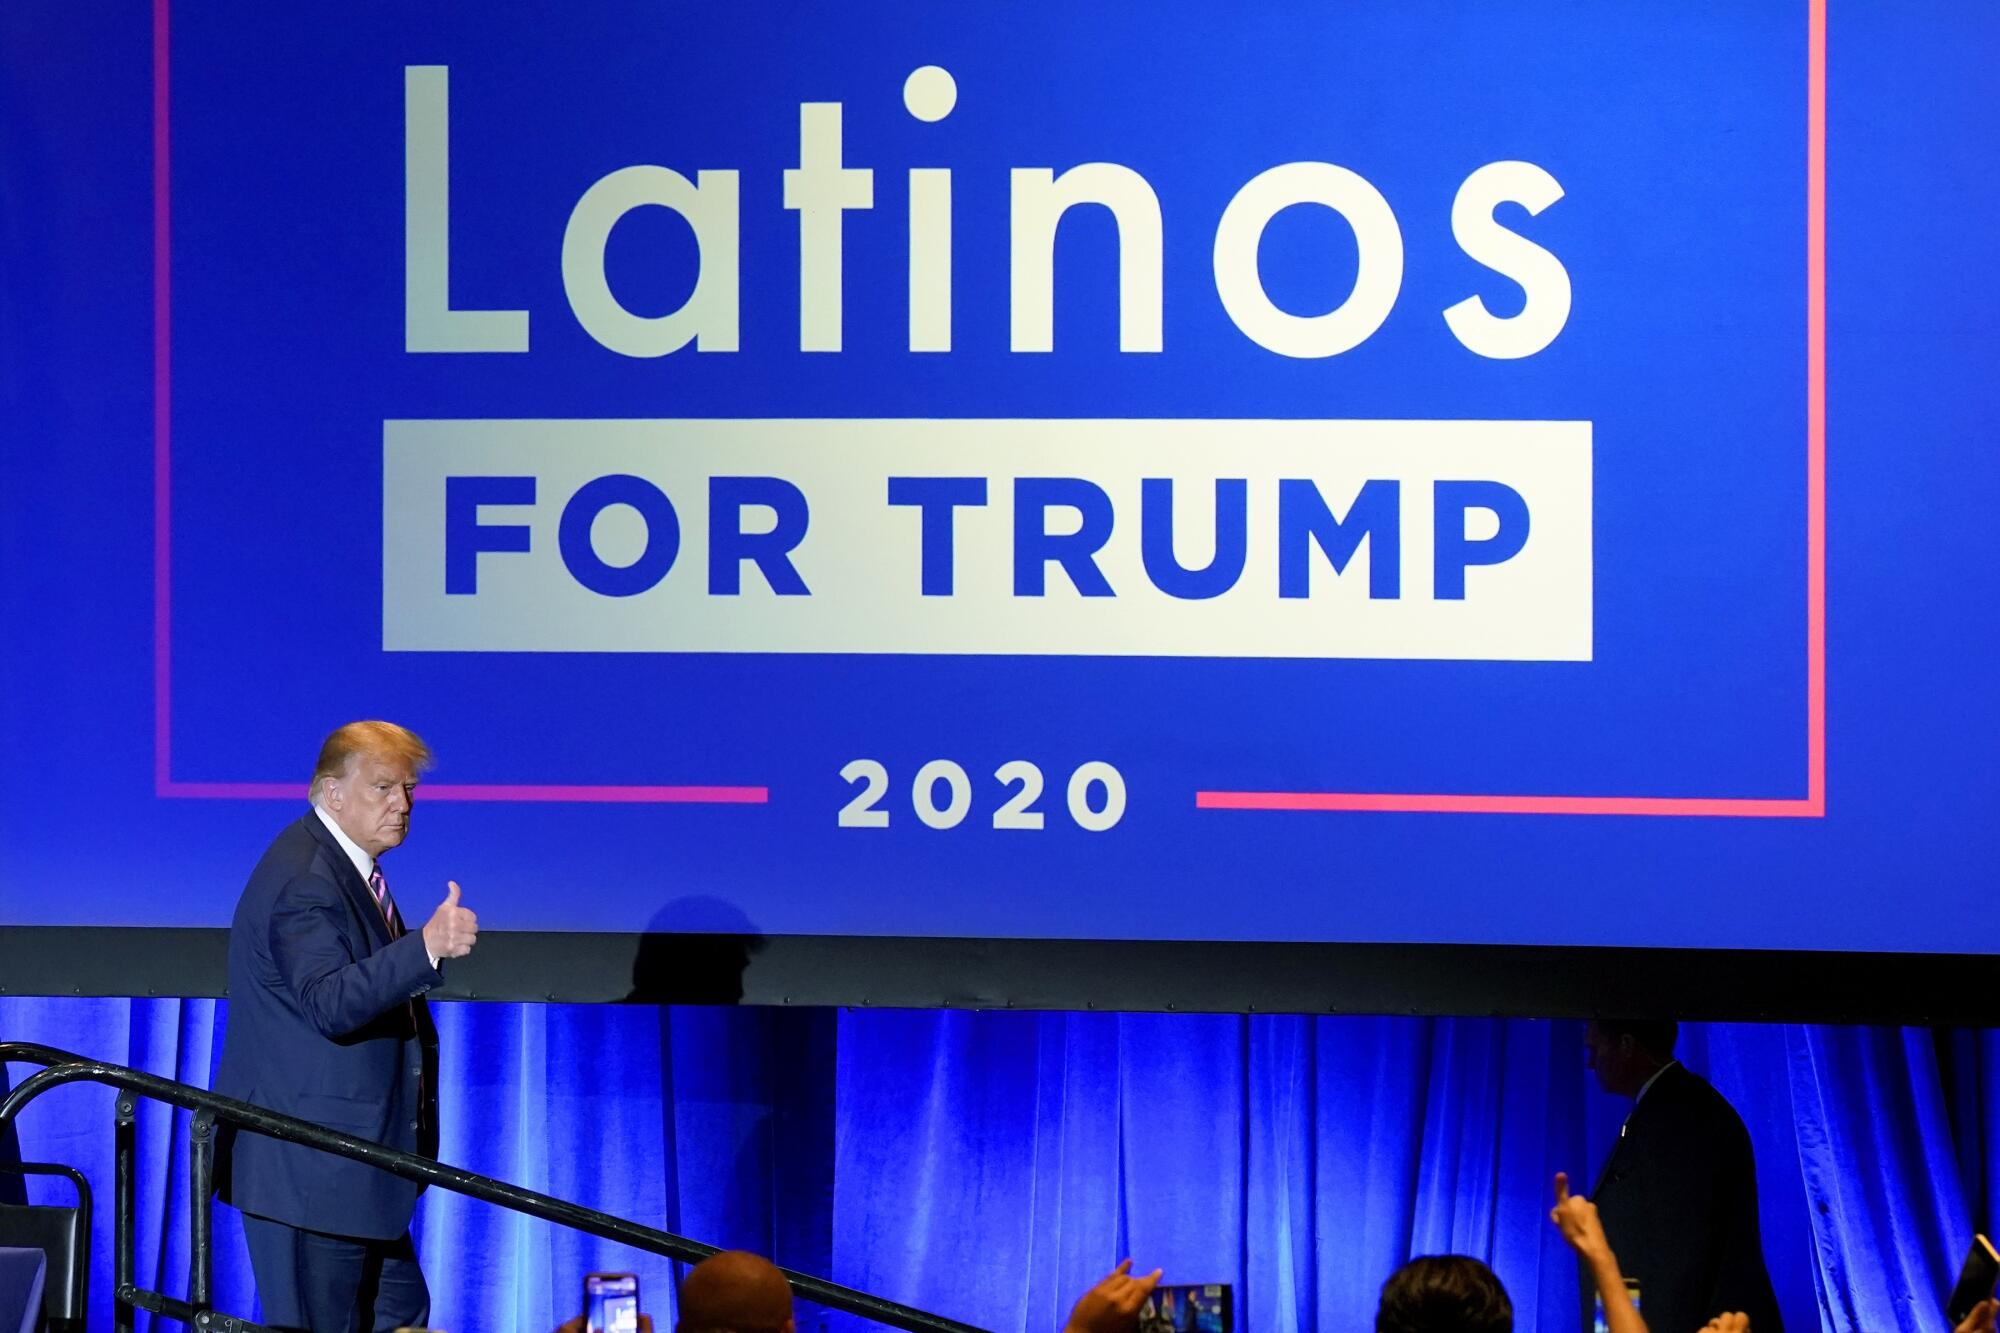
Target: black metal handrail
x,y
62,1067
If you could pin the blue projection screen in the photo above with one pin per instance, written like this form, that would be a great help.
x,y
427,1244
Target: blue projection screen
x,y
1371,472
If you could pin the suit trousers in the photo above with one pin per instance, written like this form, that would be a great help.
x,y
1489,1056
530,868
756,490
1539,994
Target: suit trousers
x,y
317,1283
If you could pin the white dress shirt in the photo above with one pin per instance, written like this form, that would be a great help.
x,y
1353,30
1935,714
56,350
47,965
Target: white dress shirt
x,y
1627,1123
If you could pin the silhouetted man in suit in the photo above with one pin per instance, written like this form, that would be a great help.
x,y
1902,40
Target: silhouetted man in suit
x,y
1678,1197
327,1022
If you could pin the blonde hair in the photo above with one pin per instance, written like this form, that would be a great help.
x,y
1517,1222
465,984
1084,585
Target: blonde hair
x,y
383,740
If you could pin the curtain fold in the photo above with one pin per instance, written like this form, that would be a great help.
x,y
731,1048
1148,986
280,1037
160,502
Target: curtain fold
x,y
1886,1198
991,1166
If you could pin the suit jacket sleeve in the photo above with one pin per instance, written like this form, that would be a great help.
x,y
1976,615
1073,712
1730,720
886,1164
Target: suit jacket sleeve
x,y
336,992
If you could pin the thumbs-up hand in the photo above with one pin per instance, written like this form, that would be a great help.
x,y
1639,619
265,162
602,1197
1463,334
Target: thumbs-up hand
x,y
452,930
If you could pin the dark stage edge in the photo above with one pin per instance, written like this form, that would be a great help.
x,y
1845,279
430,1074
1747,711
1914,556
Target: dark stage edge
x,y
1213,977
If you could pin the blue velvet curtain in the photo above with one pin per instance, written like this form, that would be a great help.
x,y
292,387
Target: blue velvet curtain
x,y
990,1166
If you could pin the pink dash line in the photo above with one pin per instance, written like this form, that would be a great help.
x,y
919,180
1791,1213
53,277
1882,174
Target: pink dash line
x,y
1411,803
1816,408
481,791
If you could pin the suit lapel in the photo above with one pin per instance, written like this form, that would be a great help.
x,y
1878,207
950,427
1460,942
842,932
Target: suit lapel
x,y
360,901
1642,1109
1609,1171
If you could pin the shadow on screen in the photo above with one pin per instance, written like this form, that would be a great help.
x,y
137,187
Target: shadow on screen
x,y
694,951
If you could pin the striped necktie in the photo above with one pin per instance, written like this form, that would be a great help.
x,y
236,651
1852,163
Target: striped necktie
x,y
380,888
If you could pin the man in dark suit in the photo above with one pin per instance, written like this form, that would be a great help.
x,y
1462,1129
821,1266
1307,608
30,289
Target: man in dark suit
x,y
1678,1197
327,1022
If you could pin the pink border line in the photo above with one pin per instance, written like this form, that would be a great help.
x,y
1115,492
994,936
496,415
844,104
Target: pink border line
x,y
163,627
163,411
1813,804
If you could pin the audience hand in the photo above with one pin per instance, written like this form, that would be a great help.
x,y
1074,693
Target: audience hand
x,y
452,930
1576,1217
1112,1306
1728,1323
1981,1319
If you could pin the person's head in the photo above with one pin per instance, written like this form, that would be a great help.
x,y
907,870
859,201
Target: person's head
x,y
1624,1053
735,1292
1444,1293
366,778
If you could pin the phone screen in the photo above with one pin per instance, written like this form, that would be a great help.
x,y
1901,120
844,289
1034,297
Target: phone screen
x,y
1187,1308
611,1303
1975,1281
1602,1325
